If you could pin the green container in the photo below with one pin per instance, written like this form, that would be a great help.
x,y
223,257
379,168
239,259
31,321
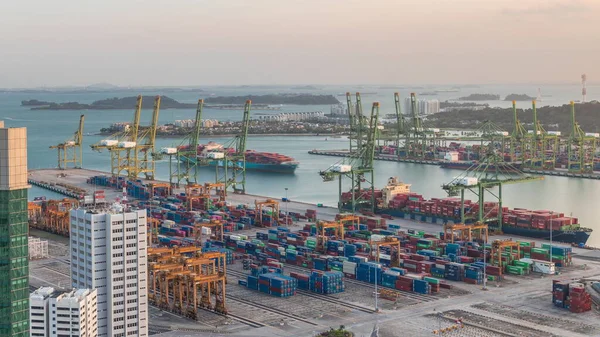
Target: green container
x,y
524,244
522,264
540,250
431,280
491,278
527,255
515,270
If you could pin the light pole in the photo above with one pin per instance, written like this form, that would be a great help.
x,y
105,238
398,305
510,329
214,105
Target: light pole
x,y
286,206
551,216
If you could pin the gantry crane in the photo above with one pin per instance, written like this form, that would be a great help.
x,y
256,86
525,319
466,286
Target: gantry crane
x,y
358,167
146,163
182,284
185,154
466,232
544,145
322,239
232,172
520,140
196,192
400,127
581,147
215,226
498,247
388,241
356,119
491,172
123,145
269,203
71,150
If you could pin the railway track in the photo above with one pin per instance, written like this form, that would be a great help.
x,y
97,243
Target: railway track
x,y
269,309
322,297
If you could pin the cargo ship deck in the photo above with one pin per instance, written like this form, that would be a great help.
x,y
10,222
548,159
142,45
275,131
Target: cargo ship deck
x,y
515,306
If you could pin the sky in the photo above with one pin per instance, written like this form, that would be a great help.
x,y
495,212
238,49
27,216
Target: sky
x,y
236,42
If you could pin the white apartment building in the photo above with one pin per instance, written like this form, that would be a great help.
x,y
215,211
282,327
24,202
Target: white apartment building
x,y
424,106
38,312
108,253
63,314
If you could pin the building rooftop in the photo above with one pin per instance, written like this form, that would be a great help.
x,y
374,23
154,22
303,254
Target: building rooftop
x,y
41,293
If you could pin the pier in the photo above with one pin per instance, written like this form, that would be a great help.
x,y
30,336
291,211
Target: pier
x,y
556,173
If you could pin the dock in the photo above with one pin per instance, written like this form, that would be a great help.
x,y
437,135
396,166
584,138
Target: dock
x,y
383,157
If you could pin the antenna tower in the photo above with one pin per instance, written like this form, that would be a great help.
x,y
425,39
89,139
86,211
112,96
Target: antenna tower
x,y
583,88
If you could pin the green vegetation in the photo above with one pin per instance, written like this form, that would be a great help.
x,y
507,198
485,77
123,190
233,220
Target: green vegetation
x,y
448,104
518,97
480,97
299,99
109,104
553,118
339,332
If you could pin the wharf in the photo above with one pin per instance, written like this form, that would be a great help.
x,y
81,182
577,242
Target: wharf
x,y
383,157
78,178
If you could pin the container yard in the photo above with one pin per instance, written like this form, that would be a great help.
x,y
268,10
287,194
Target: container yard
x,y
300,272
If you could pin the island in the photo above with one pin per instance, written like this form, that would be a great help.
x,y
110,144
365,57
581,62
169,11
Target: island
x,y
297,99
221,102
34,102
109,104
480,97
517,97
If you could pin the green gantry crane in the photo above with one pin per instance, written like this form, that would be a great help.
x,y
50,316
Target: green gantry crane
x,y
489,173
581,147
233,171
185,154
520,140
358,167
544,145
71,151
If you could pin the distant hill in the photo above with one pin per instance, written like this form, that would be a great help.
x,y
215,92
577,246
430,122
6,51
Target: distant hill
x,y
109,104
480,97
518,97
553,118
299,99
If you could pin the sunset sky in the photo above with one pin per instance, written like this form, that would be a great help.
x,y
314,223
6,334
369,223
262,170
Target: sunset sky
x,y
214,42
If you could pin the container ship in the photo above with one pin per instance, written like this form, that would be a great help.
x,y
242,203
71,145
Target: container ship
x,y
256,161
464,165
397,200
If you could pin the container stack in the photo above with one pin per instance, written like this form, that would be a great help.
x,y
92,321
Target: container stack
x,y
560,292
454,271
276,284
473,275
326,282
421,287
369,272
303,280
404,283
579,299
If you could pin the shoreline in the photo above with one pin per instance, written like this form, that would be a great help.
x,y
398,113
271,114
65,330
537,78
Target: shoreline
x,y
249,135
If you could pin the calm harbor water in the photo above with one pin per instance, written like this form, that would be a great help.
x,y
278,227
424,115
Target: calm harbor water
x,y
568,195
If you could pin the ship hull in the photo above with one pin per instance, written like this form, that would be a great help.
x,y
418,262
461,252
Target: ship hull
x,y
464,166
577,237
251,166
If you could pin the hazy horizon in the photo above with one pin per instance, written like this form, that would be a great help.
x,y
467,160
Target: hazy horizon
x,y
311,42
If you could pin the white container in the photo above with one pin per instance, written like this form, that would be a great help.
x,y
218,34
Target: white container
x,y
501,133
349,268
385,257
109,142
70,143
126,145
377,237
206,231
555,133
169,223
235,238
341,168
592,134
216,155
168,150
